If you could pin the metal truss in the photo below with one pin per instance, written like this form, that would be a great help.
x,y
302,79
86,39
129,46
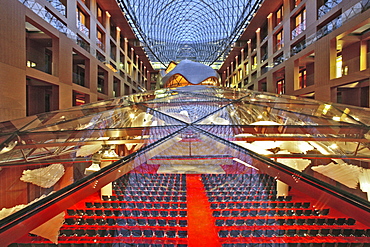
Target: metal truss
x,y
199,30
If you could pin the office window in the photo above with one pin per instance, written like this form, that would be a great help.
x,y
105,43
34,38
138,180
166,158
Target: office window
x,y
280,86
302,78
279,42
338,66
129,68
79,98
102,80
39,49
253,43
246,69
300,17
262,86
254,62
79,63
113,51
263,31
264,53
295,3
100,14
100,39
368,54
299,23
113,31
279,15
83,22
116,87
86,2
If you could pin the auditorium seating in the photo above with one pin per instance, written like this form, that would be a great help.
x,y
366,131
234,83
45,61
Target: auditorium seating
x,y
151,210
247,210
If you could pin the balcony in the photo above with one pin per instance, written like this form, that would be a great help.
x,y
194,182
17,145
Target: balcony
x,y
326,7
299,29
264,69
100,44
254,66
83,28
278,60
79,79
298,47
279,45
330,27
58,6
264,57
100,56
82,43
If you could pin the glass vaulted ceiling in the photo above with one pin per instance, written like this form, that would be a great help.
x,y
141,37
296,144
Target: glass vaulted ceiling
x,y
198,30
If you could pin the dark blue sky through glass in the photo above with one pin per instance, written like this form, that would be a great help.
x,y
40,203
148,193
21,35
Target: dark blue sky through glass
x,y
198,30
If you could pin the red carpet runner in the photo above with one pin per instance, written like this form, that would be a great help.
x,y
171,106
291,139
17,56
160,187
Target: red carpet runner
x,y
201,225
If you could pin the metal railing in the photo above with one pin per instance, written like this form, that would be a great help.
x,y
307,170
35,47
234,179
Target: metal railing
x,y
58,6
78,79
328,28
49,17
99,44
264,57
99,56
279,45
298,47
82,43
326,7
264,69
351,12
299,29
278,60
83,28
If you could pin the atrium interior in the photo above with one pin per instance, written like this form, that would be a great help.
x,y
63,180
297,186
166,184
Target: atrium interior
x,y
185,123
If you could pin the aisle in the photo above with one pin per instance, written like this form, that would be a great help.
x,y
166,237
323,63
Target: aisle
x,y
201,225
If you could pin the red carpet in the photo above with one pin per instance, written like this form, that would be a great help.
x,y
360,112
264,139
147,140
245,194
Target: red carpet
x,y
201,225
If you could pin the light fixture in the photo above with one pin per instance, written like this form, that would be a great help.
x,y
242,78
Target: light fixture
x,y
244,163
93,168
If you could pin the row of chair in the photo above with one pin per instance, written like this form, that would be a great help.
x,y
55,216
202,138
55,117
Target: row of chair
x,y
237,177
151,177
154,198
144,178
153,186
137,191
132,244
224,187
94,244
265,205
127,213
256,213
122,232
307,244
295,233
149,198
289,221
233,187
136,205
159,182
247,198
242,192
104,221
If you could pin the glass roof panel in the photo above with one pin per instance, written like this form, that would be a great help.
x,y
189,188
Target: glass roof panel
x,y
198,30
288,142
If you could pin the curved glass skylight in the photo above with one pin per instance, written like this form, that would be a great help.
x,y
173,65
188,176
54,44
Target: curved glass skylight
x,y
198,30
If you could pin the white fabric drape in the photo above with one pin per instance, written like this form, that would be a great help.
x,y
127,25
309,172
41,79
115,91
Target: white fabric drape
x,y
343,173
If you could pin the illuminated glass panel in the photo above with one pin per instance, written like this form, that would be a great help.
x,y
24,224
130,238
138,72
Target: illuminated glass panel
x,y
201,31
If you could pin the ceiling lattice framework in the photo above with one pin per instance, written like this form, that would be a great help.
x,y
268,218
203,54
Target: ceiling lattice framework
x,y
198,30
